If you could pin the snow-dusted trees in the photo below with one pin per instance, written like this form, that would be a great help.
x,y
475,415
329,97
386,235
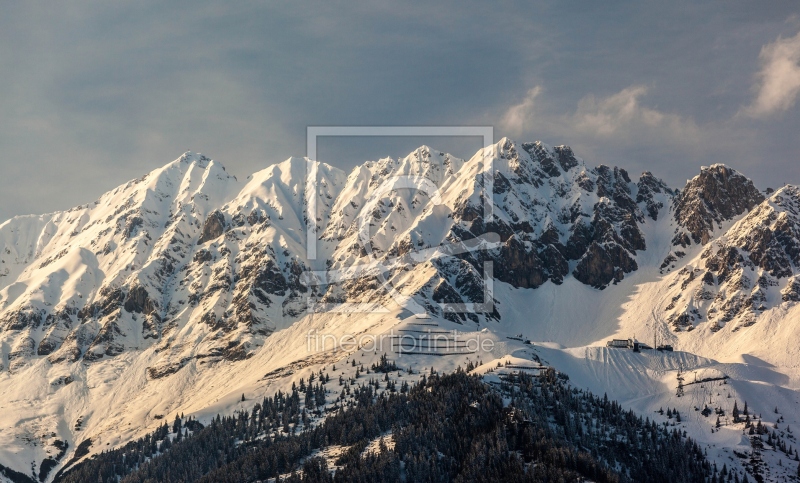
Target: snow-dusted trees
x,y
445,428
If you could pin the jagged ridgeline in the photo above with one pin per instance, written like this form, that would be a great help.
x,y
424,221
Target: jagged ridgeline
x,y
446,428
190,249
187,275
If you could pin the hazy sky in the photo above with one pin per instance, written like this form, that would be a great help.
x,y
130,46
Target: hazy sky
x,y
95,93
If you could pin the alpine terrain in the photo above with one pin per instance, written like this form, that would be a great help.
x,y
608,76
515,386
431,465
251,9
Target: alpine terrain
x,y
176,328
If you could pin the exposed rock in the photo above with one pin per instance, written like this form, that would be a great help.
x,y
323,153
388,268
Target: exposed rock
x,y
256,217
751,258
717,194
270,279
585,183
553,215
522,266
23,318
132,224
724,262
682,239
74,345
446,294
236,351
238,220
48,345
59,324
669,260
20,353
579,240
213,228
138,301
62,381
770,234
792,291
203,256
167,368
528,260
294,305
106,343
566,158
683,320
602,265
647,189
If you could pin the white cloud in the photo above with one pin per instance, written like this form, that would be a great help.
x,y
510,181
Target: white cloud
x,y
779,78
520,117
620,117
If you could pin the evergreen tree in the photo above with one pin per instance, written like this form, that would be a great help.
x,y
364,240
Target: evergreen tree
x,y
568,435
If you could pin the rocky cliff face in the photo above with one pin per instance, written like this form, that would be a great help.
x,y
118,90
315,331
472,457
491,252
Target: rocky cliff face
x,y
118,311
553,213
190,249
748,270
554,216
717,194
186,248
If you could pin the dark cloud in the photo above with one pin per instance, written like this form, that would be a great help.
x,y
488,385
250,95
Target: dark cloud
x,y
95,94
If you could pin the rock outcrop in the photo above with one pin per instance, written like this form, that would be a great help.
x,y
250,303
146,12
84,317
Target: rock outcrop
x,y
717,194
213,228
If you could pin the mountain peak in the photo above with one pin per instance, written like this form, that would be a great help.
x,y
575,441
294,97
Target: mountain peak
x,y
199,159
168,280
536,159
719,193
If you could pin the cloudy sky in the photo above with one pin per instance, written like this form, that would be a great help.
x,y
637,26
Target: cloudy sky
x,y
95,93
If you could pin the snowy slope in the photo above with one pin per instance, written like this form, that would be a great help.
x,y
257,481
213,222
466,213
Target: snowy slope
x,y
184,289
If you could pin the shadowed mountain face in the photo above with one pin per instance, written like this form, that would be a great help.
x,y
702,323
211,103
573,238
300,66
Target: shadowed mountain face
x,y
749,268
718,194
190,249
180,274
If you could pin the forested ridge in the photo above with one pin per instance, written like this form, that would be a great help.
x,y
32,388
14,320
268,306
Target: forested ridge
x,y
453,427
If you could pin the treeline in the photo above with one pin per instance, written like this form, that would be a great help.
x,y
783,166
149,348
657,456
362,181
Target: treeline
x,y
445,428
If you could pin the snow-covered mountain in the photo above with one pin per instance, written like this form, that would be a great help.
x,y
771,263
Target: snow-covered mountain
x,y
183,289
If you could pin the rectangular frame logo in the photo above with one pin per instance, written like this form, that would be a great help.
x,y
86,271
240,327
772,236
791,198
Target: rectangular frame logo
x,y
486,241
